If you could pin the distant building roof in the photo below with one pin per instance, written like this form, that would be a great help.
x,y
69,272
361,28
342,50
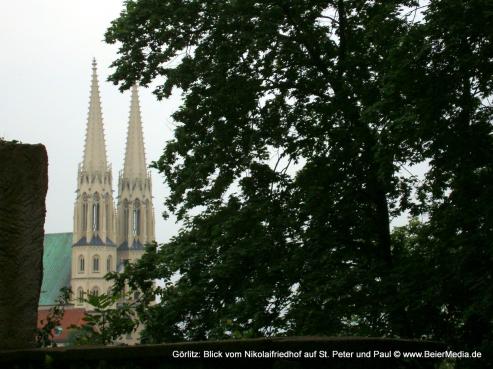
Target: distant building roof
x,y
71,317
57,257
136,245
95,241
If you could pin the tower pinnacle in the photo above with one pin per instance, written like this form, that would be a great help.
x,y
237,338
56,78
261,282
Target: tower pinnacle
x,y
95,149
135,164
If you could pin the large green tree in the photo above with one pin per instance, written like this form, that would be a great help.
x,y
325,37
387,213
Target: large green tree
x,y
444,82
288,163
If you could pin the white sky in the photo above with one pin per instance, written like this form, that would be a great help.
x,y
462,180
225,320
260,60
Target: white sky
x,y
45,68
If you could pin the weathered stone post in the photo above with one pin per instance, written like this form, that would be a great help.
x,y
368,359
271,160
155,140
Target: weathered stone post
x,y
23,186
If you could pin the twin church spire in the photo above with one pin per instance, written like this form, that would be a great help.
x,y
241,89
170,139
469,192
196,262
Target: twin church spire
x,y
135,213
95,159
95,221
104,239
135,162
95,148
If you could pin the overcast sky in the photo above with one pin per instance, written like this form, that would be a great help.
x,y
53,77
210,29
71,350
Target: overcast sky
x,y
45,68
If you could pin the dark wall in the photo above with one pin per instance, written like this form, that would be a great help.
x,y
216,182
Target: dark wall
x,y
23,186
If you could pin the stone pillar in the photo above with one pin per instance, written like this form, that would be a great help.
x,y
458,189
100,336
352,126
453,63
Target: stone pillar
x,y
23,186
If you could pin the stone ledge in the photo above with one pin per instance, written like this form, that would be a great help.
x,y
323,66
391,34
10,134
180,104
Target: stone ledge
x,y
161,355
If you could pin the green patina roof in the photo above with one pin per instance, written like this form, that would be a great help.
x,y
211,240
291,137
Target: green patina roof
x,y
57,256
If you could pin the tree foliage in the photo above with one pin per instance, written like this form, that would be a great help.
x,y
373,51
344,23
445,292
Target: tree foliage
x,y
290,159
45,335
110,317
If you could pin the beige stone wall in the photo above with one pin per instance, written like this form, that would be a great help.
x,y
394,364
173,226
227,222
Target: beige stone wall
x,y
88,279
130,255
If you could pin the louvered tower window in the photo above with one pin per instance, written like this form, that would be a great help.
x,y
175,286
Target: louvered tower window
x,y
136,218
95,213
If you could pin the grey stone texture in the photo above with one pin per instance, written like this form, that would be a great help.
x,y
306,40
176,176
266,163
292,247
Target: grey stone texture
x,y
23,186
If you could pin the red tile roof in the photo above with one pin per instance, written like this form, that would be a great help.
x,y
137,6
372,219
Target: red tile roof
x,y
71,317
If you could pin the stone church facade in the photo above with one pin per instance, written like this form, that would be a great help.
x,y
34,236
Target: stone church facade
x,y
107,232
105,238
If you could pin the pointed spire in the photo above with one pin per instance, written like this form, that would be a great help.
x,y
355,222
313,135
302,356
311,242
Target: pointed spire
x,y
135,163
95,149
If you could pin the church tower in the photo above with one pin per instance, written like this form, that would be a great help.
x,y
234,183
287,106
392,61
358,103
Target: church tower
x,y
94,251
135,213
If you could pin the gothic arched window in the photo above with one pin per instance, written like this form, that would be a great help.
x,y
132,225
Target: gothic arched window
x,y
84,212
95,213
81,264
95,263
95,291
148,217
125,219
109,264
107,213
136,218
